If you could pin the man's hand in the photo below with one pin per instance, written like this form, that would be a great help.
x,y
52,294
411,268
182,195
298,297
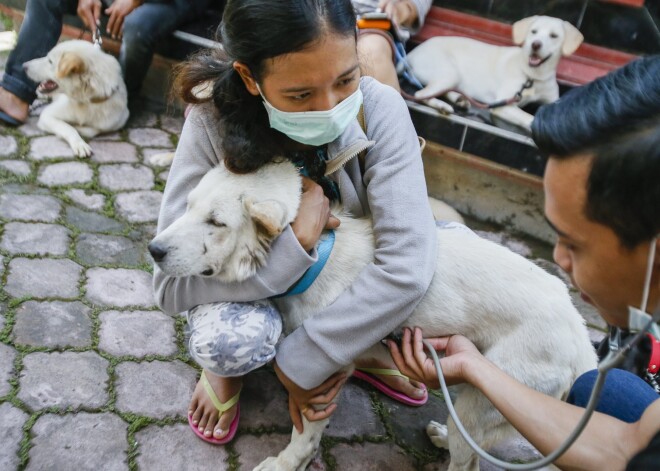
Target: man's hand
x,y
313,215
461,357
90,12
117,12
402,12
302,401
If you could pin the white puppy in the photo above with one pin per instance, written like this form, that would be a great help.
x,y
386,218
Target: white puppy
x,y
495,74
89,95
518,315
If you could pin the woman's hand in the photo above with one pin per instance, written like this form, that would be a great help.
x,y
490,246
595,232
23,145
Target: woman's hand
x,y
313,215
402,12
461,358
89,11
302,401
117,12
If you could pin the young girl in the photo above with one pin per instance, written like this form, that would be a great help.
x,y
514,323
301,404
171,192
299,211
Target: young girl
x,y
288,84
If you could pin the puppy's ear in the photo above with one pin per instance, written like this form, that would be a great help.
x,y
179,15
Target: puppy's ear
x,y
70,63
269,216
572,39
520,29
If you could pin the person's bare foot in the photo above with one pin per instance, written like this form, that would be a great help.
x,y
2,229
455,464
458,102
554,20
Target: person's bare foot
x,y
410,388
204,413
13,106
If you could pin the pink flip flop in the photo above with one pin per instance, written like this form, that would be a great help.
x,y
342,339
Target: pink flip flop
x,y
222,408
367,374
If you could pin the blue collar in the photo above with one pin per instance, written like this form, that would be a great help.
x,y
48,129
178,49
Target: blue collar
x,y
323,249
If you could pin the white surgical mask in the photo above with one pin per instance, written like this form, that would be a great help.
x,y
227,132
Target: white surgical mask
x,y
315,128
638,318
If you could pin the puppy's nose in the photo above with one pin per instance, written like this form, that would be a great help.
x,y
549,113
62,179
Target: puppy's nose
x,y
158,252
536,45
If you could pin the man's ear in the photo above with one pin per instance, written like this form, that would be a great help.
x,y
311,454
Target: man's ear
x,y
572,39
249,81
69,64
520,29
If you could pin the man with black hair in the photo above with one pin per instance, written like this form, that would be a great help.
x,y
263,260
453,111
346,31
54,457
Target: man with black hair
x,y
602,188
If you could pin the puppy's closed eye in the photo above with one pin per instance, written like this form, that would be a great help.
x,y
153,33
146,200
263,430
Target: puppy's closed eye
x,y
214,222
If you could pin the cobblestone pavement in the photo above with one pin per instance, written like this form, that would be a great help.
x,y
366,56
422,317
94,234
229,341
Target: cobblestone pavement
x,y
94,376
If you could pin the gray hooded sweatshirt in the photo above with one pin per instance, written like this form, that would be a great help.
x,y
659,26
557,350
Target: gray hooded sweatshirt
x,y
392,189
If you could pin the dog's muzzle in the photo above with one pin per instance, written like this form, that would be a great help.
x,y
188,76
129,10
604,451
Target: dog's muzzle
x,y
157,251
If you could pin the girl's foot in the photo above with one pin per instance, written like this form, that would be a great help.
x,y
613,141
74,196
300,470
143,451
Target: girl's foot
x,y
204,413
13,106
413,389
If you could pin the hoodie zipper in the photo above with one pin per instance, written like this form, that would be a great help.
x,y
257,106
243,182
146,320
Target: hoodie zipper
x,y
347,154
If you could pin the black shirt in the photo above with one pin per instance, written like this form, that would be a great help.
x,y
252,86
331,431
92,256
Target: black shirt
x,y
648,459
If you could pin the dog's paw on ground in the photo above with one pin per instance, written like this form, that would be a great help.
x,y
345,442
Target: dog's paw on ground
x,y
81,148
437,432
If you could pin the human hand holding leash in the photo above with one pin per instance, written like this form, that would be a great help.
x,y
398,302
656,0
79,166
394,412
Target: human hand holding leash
x,y
460,358
314,215
89,12
117,12
402,12
302,401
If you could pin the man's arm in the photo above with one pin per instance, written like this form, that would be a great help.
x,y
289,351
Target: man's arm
x,y
606,442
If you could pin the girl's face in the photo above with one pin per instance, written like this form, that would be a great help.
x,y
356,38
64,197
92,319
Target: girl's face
x,y
316,78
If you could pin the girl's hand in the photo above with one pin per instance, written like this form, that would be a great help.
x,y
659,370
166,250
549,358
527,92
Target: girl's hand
x,y
89,11
302,401
461,356
313,215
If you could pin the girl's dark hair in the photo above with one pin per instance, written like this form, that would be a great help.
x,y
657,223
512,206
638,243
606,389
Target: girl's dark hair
x,y
252,31
615,119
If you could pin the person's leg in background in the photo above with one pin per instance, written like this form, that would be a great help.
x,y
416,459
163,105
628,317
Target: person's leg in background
x,y
39,33
145,27
624,396
377,58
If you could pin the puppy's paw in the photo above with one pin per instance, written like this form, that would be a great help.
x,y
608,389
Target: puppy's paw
x,y
437,432
162,159
81,148
269,464
440,105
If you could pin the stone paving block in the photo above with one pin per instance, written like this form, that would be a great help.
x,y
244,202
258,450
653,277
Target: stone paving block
x,y
107,151
35,238
119,287
94,201
65,173
514,450
253,450
29,207
11,434
264,401
8,146
17,167
126,177
43,278
111,136
137,333
157,389
371,457
172,123
66,379
354,415
88,221
143,119
164,175
408,424
139,206
53,324
147,153
30,128
24,189
99,249
82,441
48,148
189,452
149,137
7,357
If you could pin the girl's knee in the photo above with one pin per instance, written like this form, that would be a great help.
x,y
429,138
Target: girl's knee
x,y
232,339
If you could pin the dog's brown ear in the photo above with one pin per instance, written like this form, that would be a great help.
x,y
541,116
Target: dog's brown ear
x,y
572,39
520,29
70,63
269,216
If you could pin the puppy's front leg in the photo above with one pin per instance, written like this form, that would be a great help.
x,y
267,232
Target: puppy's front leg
x,y
300,451
50,121
514,115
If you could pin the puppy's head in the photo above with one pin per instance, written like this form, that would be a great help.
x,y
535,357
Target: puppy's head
x,y
545,39
229,224
77,69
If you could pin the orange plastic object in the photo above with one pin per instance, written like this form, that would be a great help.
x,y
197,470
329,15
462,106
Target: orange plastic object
x,y
374,24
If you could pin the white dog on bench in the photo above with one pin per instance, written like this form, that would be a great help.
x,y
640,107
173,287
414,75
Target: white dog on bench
x,y
495,74
518,315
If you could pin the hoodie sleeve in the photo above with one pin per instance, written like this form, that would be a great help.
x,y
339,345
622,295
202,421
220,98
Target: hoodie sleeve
x,y
422,7
198,151
387,291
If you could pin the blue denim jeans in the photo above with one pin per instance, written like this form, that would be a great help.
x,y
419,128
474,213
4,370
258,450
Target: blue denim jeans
x,y
144,27
624,396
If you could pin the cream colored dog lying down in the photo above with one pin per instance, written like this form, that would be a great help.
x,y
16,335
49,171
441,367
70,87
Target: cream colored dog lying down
x,y
89,95
492,74
517,314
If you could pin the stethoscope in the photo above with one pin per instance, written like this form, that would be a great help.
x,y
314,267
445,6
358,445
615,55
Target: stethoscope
x,y
614,358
